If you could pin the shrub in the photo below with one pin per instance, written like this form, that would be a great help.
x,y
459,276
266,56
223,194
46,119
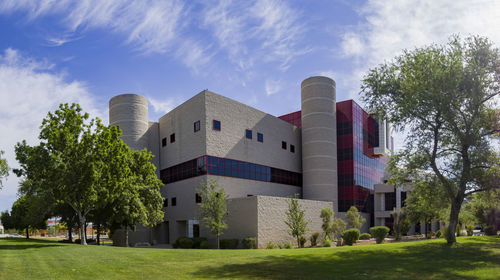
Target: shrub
x,y
350,236
326,242
229,243
490,230
438,233
65,241
288,245
281,245
314,239
184,242
365,236
270,245
380,233
249,243
470,230
302,241
78,241
204,244
197,242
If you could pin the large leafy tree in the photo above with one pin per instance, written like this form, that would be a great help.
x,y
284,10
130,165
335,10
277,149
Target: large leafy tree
x,y
28,213
213,208
4,168
444,97
84,165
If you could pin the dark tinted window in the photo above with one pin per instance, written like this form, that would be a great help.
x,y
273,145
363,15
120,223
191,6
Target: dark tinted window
x,y
174,201
216,125
283,145
248,134
260,137
172,138
196,126
292,148
164,142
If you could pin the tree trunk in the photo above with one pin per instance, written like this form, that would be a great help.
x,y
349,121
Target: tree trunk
x,y
126,236
70,233
83,240
98,235
218,243
452,227
27,233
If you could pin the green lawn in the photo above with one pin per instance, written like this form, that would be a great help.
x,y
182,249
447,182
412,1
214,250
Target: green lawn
x,y
472,258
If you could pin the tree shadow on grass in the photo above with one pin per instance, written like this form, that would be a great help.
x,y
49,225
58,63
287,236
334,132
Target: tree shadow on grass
x,y
23,244
415,261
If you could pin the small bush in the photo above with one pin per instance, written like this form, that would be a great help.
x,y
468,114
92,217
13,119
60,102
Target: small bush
x,y
490,230
229,243
288,245
270,245
380,233
197,242
326,242
184,242
365,236
249,243
65,241
438,233
470,230
78,241
302,241
204,244
350,236
281,245
314,239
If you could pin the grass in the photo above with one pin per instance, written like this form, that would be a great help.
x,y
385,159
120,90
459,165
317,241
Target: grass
x,y
472,258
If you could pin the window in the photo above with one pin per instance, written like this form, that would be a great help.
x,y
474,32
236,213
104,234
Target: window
x,y
260,137
292,148
197,198
172,138
174,201
164,142
283,145
248,134
165,202
216,125
196,126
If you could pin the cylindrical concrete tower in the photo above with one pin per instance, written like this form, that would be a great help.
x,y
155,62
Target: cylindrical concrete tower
x,y
130,112
319,140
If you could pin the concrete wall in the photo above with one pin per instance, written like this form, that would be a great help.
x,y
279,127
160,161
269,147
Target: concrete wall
x,y
188,144
231,142
319,139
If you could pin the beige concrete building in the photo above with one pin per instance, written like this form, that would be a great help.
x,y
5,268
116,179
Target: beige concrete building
x,y
259,159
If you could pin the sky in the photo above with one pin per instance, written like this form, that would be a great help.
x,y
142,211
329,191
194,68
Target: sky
x,y
256,52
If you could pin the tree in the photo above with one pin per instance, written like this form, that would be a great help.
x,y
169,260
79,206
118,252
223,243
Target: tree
x,y
426,202
444,97
295,219
27,214
327,226
4,168
399,217
339,226
213,208
354,219
86,166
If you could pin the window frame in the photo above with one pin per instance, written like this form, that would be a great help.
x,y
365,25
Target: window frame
x,y
214,121
194,126
248,132
260,137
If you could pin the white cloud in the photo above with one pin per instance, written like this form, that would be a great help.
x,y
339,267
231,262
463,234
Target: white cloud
x,y
388,27
28,90
252,31
162,107
273,86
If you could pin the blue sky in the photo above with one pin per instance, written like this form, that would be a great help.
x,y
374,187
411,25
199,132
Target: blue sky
x,y
256,52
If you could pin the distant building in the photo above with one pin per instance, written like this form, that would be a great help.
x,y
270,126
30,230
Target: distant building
x,y
331,154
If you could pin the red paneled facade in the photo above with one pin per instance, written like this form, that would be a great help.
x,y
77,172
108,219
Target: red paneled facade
x,y
358,167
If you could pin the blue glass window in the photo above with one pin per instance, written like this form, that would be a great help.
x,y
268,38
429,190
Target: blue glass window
x,y
248,134
216,125
260,137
